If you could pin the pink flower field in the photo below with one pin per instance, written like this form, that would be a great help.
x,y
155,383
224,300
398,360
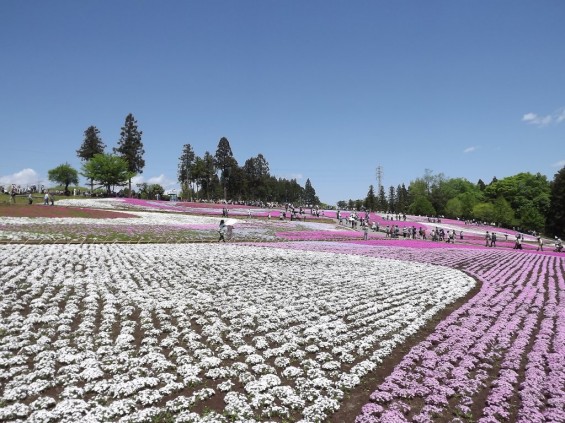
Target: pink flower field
x,y
493,353
498,358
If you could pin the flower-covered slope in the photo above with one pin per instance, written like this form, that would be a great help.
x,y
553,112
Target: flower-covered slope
x,y
499,358
140,332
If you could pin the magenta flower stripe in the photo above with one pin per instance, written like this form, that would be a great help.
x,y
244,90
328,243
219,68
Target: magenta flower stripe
x,y
500,357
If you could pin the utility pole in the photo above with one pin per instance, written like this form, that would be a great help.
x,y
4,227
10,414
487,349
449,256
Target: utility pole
x,y
379,178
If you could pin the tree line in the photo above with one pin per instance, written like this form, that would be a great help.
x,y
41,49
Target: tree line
x,y
210,177
525,201
219,176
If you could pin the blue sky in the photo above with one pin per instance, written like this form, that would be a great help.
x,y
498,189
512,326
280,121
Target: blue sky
x,y
326,90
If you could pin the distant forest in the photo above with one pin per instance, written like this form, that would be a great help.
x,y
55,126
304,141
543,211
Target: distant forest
x,y
526,201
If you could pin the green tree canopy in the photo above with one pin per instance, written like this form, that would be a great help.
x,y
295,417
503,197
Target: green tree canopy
x,y
484,212
524,192
556,212
108,171
65,175
503,212
256,175
454,208
150,191
204,174
91,145
422,206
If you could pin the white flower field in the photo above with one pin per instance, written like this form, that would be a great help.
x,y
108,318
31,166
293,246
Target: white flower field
x,y
201,332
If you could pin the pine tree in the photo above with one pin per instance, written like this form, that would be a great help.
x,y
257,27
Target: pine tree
x,y
310,194
91,145
382,205
185,169
223,161
391,200
130,147
370,200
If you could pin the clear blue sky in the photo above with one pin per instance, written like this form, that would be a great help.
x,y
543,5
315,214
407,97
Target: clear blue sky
x,y
326,90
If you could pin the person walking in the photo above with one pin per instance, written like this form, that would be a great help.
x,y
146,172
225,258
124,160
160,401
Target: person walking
x,y
487,239
222,231
518,244
493,239
365,232
540,243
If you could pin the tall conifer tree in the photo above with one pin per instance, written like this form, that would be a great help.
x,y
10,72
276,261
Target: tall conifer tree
x,y
91,145
130,147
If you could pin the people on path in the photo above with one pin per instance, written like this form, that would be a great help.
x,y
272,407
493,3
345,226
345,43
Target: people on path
x,y
540,243
518,243
222,231
493,239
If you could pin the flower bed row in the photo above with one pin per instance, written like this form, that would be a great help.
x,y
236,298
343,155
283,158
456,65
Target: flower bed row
x,y
140,332
500,357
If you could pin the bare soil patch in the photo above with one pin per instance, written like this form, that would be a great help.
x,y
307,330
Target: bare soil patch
x,y
37,210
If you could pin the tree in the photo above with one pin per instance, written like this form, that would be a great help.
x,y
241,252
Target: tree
x,y
256,171
150,191
524,191
468,201
556,212
223,160
108,170
382,199
371,200
454,208
130,147
402,198
484,212
185,169
65,175
391,200
91,145
341,204
422,206
310,194
503,212
204,174
531,218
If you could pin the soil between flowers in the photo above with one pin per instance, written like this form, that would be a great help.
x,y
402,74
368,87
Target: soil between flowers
x,y
357,397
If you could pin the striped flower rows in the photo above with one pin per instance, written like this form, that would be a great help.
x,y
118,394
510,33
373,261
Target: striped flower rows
x,y
148,332
500,357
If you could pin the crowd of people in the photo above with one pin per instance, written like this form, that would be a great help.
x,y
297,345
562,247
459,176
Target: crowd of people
x,y
438,234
